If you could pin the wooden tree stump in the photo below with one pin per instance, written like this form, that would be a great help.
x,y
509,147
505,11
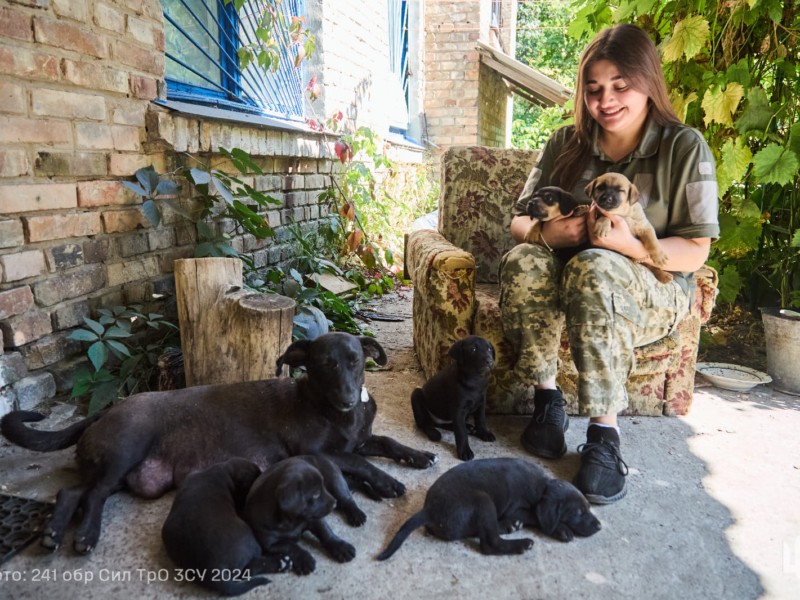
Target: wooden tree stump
x,y
228,334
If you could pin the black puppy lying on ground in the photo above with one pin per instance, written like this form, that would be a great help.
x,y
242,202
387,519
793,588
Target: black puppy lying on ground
x,y
204,532
294,496
152,441
487,497
456,394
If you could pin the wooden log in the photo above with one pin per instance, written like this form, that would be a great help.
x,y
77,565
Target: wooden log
x,y
228,334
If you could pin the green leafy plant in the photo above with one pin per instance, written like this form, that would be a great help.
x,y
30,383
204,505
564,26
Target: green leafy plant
x,y
123,356
732,68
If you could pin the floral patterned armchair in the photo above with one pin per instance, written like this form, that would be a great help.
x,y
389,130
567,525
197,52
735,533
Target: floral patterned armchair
x,y
454,271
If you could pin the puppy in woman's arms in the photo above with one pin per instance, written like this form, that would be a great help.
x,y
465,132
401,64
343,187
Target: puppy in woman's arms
x,y
614,194
546,204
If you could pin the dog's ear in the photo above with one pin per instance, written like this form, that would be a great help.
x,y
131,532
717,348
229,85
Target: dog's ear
x,y
295,356
633,194
373,349
455,349
589,189
567,203
549,511
291,499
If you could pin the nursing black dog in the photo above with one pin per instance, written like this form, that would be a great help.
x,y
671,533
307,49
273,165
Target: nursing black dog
x,y
150,442
456,394
205,533
294,496
484,498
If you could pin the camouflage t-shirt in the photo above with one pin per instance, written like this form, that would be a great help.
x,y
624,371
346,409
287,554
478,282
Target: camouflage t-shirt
x,y
672,167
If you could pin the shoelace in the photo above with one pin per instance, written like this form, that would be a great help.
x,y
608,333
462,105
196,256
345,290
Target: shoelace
x,y
552,417
605,454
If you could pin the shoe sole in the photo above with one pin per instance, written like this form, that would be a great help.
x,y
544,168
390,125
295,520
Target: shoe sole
x,y
595,499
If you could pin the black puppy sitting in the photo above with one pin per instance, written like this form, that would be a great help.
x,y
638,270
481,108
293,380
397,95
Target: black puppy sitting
x,y
456,393
487,497
291,497
204,532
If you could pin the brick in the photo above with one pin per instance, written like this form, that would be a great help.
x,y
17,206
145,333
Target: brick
x,y
79,282
126,138
26,328
133,244
69,37
22,265
145,88
16,130
70,164
96,136
103,193
130,113
109,18
95,251
11,233
70,315
29,64
54,103
168,258
141,59
12,368
77,11
35,389
124,220
125,165
63,257
15,301
132,270
12,97
161,238
8,400
141,30
62,226
94,76
13,163
15,24
49,350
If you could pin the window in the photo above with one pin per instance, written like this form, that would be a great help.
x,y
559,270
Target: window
x,y
202,40
398,64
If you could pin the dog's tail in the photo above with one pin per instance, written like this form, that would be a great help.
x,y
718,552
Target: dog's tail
x,y
14,430
416,521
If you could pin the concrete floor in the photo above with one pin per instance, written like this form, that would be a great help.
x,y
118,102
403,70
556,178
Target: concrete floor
x,y
712,512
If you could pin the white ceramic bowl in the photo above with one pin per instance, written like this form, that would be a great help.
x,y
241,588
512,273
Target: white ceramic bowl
x,y
732,377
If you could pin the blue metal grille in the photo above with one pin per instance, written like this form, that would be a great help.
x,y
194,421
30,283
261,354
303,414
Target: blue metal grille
x,y
202,39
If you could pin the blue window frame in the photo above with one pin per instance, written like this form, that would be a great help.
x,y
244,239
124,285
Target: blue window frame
x,y
202,40
398,64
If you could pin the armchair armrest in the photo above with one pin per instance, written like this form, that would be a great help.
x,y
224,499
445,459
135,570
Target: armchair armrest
x,y
444,295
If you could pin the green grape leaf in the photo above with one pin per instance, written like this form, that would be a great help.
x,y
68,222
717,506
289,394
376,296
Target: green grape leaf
x,y
688,39
719,105
775,164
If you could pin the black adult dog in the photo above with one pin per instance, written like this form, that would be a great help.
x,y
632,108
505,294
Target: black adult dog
x,y
294,496
484,498
204,532
150,442
457,393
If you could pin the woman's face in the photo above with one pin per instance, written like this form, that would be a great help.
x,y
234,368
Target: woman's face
x,y
612,102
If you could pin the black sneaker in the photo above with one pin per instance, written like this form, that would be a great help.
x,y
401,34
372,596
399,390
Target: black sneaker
x,y
544,435
601,477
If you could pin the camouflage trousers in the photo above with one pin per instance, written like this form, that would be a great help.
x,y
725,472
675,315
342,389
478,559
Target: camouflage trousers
x,y
610,304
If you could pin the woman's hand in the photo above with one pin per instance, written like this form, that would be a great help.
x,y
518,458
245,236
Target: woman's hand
x,y
565,232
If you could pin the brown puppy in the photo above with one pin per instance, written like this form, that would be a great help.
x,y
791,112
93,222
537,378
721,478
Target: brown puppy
x,y
615,194
546,204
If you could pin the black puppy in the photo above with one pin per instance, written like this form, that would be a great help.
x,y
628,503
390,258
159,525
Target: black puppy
x,y
487,497
546,204
456,393
203,531
292,497
151,441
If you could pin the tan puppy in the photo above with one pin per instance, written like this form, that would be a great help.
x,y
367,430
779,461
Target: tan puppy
x,y
615,194
548,203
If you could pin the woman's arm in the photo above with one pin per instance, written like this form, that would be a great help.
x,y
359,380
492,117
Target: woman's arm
x,y
561,232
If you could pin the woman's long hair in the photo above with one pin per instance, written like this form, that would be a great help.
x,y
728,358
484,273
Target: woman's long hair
x,y
635,56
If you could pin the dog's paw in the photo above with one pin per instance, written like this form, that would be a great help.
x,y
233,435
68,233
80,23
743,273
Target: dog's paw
x,y
602,227
51,540
391,488
355,516
485,435
658,257
342,551
510,526
420,460
521,545
284,564
433,434
466,453
303,563
563,533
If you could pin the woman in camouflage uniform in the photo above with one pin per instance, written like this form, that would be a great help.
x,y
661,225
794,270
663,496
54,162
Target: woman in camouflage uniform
x,y
600,287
